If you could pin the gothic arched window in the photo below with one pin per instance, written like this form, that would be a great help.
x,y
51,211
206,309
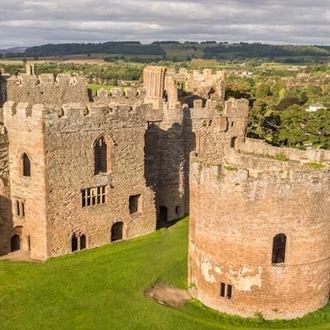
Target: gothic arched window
x,y
26,165
100,156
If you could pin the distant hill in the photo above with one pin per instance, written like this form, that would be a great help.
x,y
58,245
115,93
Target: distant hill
x,y
15,50
125,48
175,50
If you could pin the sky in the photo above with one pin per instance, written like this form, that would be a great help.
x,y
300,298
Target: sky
x,y
25,23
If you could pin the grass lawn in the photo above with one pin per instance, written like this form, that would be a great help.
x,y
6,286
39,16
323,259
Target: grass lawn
x,y
103,288
95,87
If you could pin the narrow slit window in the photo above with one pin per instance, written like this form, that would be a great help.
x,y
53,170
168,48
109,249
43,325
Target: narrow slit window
x,y
20,210
233,142
222,289
229,291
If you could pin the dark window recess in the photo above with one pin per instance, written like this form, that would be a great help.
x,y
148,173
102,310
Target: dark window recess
x,y
26,164
82,242
226,290
229,291
92,196
233,142
74,243
100,154
222,289
134,201
78,242
177,210
279,246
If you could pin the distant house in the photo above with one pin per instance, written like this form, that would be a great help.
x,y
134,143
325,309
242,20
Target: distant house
x,y
314,107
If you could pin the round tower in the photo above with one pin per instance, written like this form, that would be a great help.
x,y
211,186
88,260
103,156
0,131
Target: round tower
x,y
259,235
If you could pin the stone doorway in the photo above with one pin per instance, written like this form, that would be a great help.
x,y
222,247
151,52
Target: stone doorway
x,y
163,214
117,231
15,243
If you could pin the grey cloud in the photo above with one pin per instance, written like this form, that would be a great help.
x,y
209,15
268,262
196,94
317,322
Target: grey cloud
x,y
34,22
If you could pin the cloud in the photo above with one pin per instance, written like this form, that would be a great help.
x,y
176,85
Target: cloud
x,y
34,22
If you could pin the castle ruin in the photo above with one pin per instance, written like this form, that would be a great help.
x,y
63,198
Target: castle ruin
x,y
79,171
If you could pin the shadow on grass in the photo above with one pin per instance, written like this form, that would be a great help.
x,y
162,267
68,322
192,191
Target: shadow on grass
x,y
167,224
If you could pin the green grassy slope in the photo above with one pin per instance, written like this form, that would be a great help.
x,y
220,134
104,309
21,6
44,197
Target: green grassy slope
x,y
104,289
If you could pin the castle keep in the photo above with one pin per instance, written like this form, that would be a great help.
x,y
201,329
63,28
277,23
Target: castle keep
x,y
79,171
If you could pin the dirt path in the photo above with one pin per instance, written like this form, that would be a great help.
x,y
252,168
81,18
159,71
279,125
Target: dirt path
x,y
167,295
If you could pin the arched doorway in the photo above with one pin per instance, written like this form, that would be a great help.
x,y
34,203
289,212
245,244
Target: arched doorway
x,y
117,231
15,243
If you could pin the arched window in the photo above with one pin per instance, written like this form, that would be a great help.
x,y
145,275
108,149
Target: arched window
x,y
279,245
74,243
26,165
82,242
100,156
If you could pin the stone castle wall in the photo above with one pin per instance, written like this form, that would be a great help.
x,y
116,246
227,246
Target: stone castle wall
x,y
6,221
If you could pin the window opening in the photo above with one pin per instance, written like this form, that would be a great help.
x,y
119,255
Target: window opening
x,y
93,196
222,289
20,211
74,243
226,290
26,165
100,155
279,246
82,242
233,142
229,291
134,203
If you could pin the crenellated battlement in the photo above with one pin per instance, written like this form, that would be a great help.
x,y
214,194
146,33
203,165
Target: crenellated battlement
x,y
47,89
25,115
47,79
256,156
126,95
196,74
